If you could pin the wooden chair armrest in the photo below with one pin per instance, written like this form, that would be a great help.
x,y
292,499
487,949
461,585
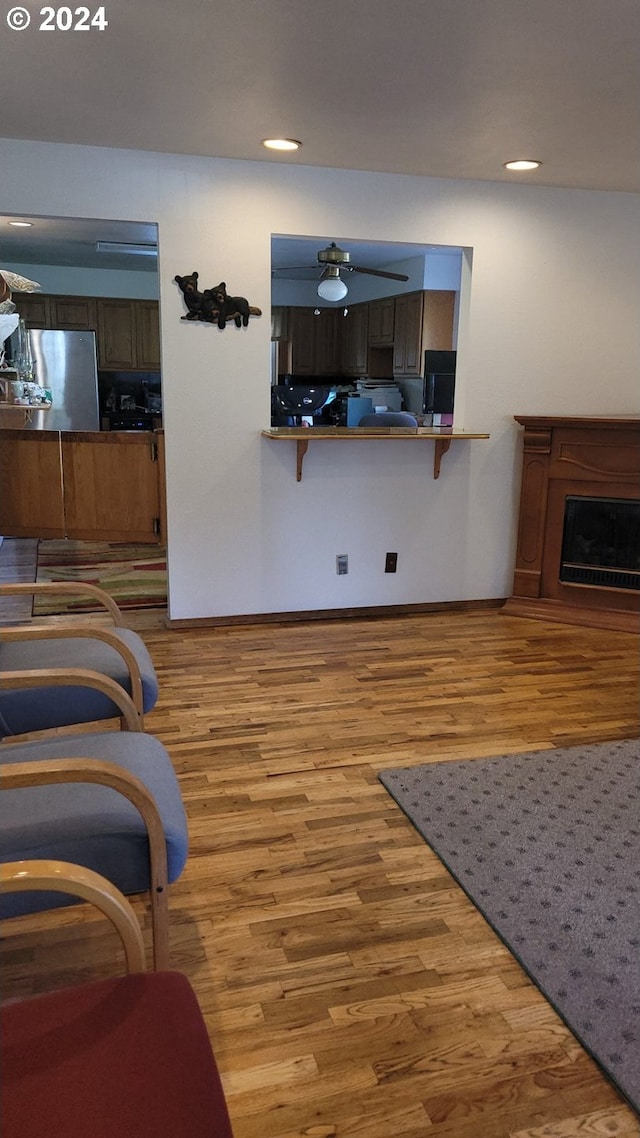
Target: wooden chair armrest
x,y
12,633
76,677
14,776
64,877
82,588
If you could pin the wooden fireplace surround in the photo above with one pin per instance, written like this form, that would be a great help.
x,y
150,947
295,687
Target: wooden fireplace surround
x,y
565,455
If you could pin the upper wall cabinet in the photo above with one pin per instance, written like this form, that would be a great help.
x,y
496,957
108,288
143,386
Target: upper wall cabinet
x,y
33,308
397,329
382,321
355,330
128,335
422,320
315,341
128,331
75,313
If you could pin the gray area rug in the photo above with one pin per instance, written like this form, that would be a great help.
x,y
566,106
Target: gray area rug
x,y
547,846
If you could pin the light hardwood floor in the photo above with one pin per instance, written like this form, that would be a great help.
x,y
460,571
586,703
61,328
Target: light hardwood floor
x,y
351,989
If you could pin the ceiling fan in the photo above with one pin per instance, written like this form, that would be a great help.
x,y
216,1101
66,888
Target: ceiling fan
x,y
334,257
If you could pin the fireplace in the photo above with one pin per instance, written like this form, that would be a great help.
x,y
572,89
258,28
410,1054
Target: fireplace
x,y
601,542
578,551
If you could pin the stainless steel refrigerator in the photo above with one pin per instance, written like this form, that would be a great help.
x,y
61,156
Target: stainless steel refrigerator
x,y
66,363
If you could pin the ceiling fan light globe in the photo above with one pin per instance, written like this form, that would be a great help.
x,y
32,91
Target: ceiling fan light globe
x,y
332,288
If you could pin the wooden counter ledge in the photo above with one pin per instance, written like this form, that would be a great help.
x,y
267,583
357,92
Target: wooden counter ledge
x,y
443,437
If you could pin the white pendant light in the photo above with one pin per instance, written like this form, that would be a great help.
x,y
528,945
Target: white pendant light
x,y
332,287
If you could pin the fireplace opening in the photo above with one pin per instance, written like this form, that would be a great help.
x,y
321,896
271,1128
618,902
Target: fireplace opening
x,y
601,542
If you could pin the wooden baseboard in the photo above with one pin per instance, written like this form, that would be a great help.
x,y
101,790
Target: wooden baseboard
x,y
370,611
542,609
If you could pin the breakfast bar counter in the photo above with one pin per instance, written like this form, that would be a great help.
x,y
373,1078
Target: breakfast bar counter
x,y
443,437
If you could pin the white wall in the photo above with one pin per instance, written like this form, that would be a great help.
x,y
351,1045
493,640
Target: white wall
x,y
65,280
550,326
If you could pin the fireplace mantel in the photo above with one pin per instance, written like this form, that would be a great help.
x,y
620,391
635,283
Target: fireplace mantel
x,y
570,455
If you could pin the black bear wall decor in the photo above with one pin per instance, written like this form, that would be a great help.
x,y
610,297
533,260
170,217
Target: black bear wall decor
x,y
214,305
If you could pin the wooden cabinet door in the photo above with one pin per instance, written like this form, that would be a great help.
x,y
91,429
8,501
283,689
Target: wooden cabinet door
x,y
31,500
111,486
73,312
33,308
407,344
356,340
328,329
279,322
303,333
116,335
382,321
147,324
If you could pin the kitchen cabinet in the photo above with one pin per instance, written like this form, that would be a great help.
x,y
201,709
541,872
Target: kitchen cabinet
x,y
127,331
128,335
72,313
422,320
279,322
382,321
315,341
399,329
33,308
31,495
355,341
86,485
111,490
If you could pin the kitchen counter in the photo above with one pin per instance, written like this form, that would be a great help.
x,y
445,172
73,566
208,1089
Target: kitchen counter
x,y
442,436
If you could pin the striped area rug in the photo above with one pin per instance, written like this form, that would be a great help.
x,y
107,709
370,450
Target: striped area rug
x,y
134,575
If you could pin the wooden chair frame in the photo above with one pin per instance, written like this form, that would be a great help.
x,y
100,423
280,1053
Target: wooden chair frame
x,y
65,877
18,775
82,588
20,632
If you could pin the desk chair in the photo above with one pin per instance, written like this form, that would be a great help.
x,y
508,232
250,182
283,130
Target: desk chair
x,y
127,1057
118,652
389,419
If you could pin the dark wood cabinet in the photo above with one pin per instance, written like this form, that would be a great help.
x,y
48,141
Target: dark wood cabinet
x,y
315,341
147,322
422,320
303,341
355,340
127,331
128,335
76,313
408,334
33,308
382,321
402,327
279,322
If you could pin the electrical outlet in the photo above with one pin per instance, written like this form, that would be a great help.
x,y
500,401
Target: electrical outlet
x,y
391,563
342,564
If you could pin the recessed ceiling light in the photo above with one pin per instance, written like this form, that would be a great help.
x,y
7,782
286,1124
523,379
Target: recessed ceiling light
x,y
21,224
281,143
523,164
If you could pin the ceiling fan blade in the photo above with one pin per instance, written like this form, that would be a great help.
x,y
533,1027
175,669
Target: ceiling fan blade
x,y
377,273
291,268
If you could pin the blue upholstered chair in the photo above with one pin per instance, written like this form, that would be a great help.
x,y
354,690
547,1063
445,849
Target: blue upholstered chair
x,y
117,652
389,419
107,800
129,1055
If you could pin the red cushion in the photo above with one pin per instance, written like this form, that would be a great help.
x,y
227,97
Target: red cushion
x,y
127,1057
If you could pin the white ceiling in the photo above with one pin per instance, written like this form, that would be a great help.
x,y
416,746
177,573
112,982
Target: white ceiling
x,y
446,88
